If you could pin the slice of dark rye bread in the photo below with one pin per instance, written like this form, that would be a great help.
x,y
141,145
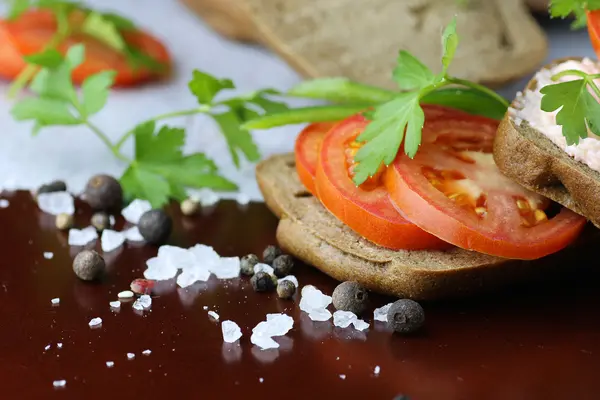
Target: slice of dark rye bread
x,y
529,158
309,232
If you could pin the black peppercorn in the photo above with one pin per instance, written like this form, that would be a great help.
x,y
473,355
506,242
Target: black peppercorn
x,y
155,226
55,186
88,265
247,264
100,221
262,282
406,316
283,265
271,253
104,192
286,289
350,296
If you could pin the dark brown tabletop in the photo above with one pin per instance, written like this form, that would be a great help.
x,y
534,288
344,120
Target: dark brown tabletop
x,y
540,341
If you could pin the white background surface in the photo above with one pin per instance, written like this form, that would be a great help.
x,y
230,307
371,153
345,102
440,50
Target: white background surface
x,y
74,154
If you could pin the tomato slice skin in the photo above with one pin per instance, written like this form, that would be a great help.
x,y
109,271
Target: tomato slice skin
x,y
306,151
593,25
500,229
369,213
32,31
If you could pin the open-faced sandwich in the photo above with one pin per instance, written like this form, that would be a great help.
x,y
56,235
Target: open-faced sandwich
x,y
470,202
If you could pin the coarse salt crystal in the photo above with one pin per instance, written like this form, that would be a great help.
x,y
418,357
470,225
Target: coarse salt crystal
x,y
81,237
59,384
130,356
231,331
147,352
55,301
290,278
115,304
206,197
264,342
4,203
377,370
110,364
342,376
47,347
192,275
95,322
315,303
176,257
243,199
261,380
205,308
112,220
125,294
205,255
56,203
143,302
59,345
260,267
134,211
380,314
226,268
343,319
360,325
111,240
213,315
159,270
48,255
320,315
275,325
133,234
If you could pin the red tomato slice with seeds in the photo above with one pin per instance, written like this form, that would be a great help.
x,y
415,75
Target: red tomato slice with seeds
x,y
306,152
32,32
453,189
366,209
309,142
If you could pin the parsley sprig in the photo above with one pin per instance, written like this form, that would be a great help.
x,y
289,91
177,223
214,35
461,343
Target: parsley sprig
x,y
566,8
578,109
397,117
72,17
159,170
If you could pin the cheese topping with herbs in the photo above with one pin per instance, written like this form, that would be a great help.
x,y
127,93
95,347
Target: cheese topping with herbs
x,y
527,107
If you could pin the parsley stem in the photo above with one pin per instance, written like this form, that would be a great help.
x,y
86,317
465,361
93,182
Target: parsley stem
x,y
480,88
203,109
568,72
113,148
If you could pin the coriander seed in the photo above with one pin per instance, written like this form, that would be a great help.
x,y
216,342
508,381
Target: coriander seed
x,y
64,221
271,253
155,226
406,316
262,282
100,221
189,207
350,296
247,264
88,265
286,289
104,192
283,265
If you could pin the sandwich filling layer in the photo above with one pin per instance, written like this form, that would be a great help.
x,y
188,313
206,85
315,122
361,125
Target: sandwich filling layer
x,y
527,107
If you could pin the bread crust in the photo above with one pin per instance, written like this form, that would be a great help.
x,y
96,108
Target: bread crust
x,y
529,158
307,231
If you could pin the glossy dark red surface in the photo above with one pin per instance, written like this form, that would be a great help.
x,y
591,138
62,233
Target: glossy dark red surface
x,y
536,342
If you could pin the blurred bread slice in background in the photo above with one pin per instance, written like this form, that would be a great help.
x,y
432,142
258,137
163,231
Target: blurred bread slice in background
x,y
358,39
539,5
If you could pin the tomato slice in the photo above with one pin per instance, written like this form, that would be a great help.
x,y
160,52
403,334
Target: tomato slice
x,y
593,24
31,32
366,209
306,152
453,189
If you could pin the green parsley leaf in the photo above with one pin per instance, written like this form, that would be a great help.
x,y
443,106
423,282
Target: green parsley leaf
x,y
410,73
118,21
449,45
75,55
95,90
44,111
237,138
103,30
267,105
576,105
49,58
138,59
205,87
56,82
385,133
160,171
565,8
